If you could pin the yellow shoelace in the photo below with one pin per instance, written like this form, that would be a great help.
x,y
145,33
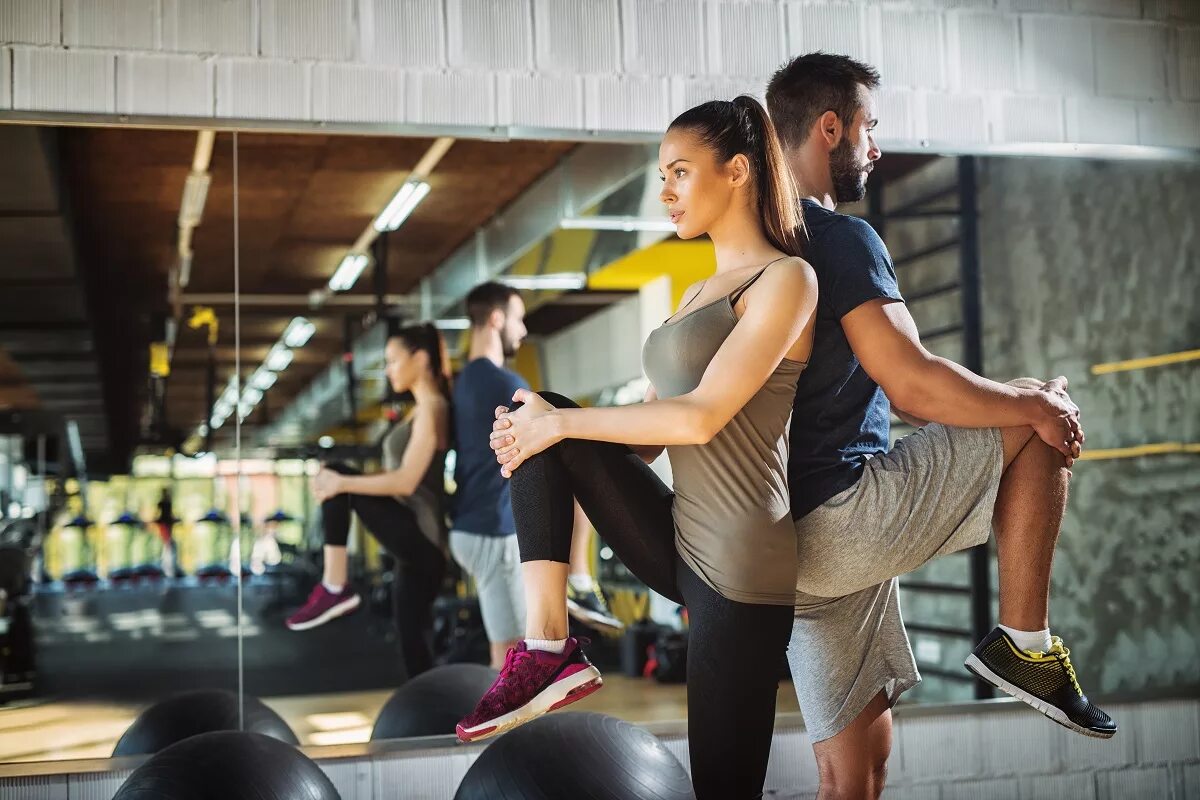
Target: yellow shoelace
x,y
1059,652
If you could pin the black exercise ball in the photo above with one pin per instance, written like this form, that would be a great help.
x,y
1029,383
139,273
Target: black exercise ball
x,y
433,702
582,756
202,711
228,765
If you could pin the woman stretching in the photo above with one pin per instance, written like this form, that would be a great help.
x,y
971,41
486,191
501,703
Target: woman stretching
x,y
401,506
723,374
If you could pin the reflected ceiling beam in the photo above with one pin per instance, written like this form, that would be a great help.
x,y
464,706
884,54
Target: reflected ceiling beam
x,y
297,300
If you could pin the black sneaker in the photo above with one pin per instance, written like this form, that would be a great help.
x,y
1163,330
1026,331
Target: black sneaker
x,y
1045,681
590,609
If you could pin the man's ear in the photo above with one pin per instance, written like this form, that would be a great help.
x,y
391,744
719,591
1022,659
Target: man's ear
x,y
830,128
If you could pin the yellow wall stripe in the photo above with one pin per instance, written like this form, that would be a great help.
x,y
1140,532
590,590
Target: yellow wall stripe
x,y
1157,449
1145,363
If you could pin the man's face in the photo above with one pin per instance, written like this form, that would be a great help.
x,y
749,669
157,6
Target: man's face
x,y
513,332
855,154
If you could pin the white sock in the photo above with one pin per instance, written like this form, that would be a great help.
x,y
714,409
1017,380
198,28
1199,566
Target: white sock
x,y
549,645
333,588
581,582
1029,640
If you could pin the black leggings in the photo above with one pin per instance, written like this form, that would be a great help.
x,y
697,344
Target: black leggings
x,y
735,650
419,564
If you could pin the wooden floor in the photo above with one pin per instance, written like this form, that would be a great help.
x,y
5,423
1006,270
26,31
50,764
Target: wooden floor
x,y
56,731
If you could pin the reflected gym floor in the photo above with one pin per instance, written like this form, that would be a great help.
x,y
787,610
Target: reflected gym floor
x,y
54,731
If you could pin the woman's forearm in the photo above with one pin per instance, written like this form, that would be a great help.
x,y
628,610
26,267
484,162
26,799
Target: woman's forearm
x,y
676,421
381,484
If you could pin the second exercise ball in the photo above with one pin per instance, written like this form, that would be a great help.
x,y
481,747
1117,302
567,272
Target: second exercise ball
x,y
201,711
228,765
432,703
582,756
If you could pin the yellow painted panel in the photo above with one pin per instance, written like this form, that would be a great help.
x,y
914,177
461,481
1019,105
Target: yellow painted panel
x,y
685,262
1146,363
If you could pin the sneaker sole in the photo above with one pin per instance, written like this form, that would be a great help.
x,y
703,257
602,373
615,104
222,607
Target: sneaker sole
x,y
976,666
561,693
587,616
332,613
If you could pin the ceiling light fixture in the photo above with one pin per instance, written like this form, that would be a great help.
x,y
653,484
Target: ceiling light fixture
x,y
347,274
298,332
402,204
617,224
553,280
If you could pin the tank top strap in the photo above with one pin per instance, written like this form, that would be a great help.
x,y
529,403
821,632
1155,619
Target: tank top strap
x,y
741,290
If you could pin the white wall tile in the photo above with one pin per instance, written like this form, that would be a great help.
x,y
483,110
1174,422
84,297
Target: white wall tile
x,y
228,27
132,24
164,84
901,115
910,48
1056,55
1188,62
541,101
1108,8
451,98
690,92
626,103
259,89
1131,59
834,28
356,93
958,118
1099,120
63,80
581,36
745,38
490,34
1025,118
407,33
982,51
1077,786
663,37
5,77
1129,783
30,22
313,29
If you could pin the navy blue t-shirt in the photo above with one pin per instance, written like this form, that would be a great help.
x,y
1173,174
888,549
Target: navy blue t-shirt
x,y
840,417
481,501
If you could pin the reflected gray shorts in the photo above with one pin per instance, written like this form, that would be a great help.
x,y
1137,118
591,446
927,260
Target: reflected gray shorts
x,y
494,562
933,494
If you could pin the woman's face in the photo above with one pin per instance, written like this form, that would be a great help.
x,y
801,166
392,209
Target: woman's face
x,y
697,190
401,365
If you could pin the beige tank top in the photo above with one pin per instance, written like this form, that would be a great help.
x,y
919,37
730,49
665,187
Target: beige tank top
x,y
732,511
428,501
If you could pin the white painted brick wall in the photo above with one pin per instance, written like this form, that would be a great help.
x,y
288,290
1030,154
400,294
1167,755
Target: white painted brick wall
x,y
1189,775
939,748
490,34
1133,65
834,28
956,118
541,101
1167,732
1045,6
689,92
626,103
983,51
901,114
1166,125
995,789
158,84
258,89
354,93
746,38
406,33
30,22
5,78
1111,8
1101,121
583,36
1056,55
1188,63
219,26
1077,786
663,37
1031,119
451,98
1141,782
63,80
309,29
909,49
131,24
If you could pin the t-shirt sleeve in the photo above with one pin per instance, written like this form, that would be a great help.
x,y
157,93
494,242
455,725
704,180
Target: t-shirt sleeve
x,y
860,266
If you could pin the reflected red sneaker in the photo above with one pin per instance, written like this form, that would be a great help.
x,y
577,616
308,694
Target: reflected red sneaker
x,y
323,606
532,683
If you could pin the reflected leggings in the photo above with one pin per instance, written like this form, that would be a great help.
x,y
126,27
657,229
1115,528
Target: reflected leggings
x,y
419,564
735,650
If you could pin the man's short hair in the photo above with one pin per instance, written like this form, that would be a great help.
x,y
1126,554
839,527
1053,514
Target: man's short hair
x,y
486,298
807,86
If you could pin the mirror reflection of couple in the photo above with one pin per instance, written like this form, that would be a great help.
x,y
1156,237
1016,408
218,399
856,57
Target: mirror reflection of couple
x,y
789,522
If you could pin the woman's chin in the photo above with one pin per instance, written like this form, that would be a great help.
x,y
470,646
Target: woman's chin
x,y
686,232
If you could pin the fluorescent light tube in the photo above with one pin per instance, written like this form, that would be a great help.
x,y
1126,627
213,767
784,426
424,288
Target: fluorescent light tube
x,y
406,199
298,332
553,280
617,224
347,273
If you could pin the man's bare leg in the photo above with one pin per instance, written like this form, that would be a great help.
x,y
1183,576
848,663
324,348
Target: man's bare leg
x,y
853,764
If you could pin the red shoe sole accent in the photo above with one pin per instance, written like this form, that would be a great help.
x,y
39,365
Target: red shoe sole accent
x,y
465,737
577,694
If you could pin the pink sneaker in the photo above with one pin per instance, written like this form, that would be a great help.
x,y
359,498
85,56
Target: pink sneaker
x,y
323,606
532,683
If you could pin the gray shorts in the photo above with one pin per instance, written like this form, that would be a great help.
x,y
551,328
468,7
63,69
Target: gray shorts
x,y
494,562
931,495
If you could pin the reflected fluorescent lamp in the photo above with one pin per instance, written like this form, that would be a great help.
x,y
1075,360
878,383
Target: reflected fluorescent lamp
x,y
223,408
617,224
455,324
263,379
229,397
279,358
217,421
298,332
553,280
351,267
251,396
406,199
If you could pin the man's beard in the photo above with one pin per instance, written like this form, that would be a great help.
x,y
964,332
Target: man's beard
x,y
509,347
849,181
